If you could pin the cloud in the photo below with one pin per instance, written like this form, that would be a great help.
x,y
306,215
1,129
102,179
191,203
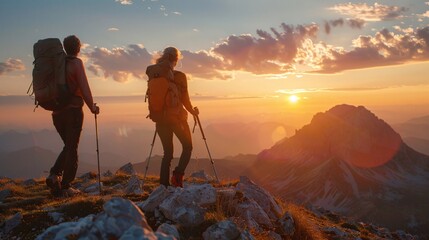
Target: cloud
x,y
353,23
426,14
177,13
377,12
269,53
125,2
202,64
385,48
112,29
120,63
293,49
11,65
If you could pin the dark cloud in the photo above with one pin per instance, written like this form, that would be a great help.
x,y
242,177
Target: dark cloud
x,y
353,23
11,65
269,53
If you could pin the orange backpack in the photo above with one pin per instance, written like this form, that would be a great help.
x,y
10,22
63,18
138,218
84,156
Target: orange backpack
x,y
162,94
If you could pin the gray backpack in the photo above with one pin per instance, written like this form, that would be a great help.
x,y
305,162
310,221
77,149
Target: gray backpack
x,y
49,75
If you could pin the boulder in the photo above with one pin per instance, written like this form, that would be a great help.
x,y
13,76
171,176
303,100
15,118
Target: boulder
x,y
169,230
261,196
127,169
274,236
108,174
246,235
201,175
93,188
5,194
87,176
202,195
134,186
155,199
253,214
287,224
224,230
12,222
121,219
29,182
136,232
182,210
56,216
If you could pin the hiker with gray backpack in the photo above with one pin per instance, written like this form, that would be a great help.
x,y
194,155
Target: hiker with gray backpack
x,y
169,103
60,85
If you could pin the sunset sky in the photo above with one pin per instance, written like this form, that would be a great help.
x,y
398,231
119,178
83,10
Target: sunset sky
x,y
283,54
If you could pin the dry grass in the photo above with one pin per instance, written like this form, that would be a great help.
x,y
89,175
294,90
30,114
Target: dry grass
x,y
34,203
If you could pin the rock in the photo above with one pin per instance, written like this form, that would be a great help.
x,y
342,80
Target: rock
x,y
120,217
189,216
287,224
108,174
253,215
93,188
169,230
29,182
12,222
127,169
274,236
118,186
56,216
261,196
136,232
222,230
67,230
182,210
202,195
89,175
155,199
201,175
134,186
335,232
5,194
246,235
401,235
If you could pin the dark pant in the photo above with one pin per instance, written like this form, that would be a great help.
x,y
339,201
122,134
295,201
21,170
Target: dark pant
x,y
183,133
68,123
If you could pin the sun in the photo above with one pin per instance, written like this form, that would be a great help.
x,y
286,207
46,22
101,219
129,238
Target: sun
x,y
293,98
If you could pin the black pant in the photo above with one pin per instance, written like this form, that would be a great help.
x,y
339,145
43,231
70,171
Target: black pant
x,y
68,123
183,133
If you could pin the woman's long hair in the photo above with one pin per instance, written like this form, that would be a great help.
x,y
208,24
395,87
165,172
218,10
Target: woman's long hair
x,y
169,51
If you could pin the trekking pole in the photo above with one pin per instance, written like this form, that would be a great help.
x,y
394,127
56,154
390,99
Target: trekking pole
x,y
207,146
98,152
150,154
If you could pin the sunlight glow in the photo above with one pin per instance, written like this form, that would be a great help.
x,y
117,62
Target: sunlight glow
x,y
293,98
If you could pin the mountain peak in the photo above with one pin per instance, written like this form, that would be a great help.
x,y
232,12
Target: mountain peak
x,y
350,133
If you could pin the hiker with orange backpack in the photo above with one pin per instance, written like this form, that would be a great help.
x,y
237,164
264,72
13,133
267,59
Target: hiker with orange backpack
x,y
68,120
168,98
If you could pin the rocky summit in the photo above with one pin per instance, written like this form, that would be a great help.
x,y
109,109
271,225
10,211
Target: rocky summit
x,y
201,210
347,160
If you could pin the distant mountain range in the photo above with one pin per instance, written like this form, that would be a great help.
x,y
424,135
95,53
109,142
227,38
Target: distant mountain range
x,y
35,162
349,161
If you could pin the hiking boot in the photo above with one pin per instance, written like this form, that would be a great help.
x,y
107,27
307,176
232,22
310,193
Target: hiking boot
x,y
177,179
71,192
54,184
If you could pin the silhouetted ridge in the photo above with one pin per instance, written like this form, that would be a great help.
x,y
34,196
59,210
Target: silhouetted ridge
x,y
352,134
350,161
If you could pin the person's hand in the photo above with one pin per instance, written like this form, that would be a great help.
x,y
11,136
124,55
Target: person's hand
x,y
195,111
95,109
